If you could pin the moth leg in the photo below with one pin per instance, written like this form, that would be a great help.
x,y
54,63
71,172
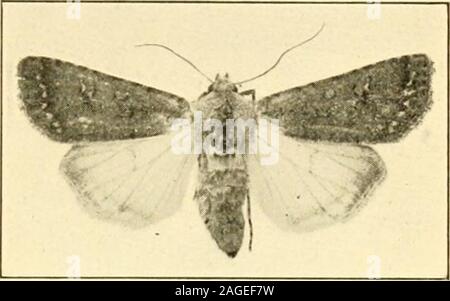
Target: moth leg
x,y
251,92
250,224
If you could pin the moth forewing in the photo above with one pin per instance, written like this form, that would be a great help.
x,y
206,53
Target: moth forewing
x,y
71,103
374,104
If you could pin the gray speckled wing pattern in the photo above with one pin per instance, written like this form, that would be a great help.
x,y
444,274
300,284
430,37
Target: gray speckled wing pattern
x,y
377,103
72,103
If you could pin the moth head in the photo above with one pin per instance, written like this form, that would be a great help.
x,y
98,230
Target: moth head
x,y
222,84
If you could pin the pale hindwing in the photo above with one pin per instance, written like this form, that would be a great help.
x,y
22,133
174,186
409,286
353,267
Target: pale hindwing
x,y
136,182
315,184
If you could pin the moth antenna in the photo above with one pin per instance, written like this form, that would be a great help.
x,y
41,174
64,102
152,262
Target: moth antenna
x,y
282,55
178,55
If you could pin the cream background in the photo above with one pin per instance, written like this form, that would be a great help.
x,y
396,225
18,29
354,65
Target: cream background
x,y
404,223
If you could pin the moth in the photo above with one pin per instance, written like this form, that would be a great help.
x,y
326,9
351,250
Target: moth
x,y
122,168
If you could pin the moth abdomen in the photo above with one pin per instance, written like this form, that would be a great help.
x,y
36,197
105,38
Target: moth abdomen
x,y
221,193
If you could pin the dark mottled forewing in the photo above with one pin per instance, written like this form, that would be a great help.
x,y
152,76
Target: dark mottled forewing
x,y
71,103
378,103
